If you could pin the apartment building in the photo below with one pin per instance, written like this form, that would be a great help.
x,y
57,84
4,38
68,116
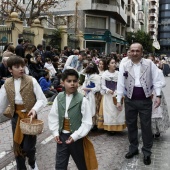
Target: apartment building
x,y
164,27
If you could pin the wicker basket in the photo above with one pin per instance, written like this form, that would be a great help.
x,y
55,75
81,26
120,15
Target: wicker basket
x,y
31,126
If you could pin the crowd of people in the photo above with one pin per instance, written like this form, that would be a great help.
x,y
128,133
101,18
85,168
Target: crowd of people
x,y
110,92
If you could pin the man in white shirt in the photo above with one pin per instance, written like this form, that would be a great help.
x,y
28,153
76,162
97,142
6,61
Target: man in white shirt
x,y
137,78
75,61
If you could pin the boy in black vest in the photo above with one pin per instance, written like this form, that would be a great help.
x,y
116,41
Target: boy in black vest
x,y
70,120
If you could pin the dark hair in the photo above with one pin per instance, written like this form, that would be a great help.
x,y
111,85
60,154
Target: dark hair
x,y
83,54
66,47
104,64
15,60
92,68
45,73
20,40
39,46
69,72
109,60
48,48
47,59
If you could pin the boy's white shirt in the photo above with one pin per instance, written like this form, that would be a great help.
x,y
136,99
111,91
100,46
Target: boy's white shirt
x,y
41,100
86,125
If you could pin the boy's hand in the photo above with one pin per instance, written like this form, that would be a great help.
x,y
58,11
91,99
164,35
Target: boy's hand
x,y
32,112
57,139
69,140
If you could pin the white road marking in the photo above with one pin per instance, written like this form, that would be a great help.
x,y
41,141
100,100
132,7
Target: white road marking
x,y
10,166
45,141
2,154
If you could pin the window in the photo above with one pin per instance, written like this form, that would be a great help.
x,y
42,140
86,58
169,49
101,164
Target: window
x,y
117,27
122,3
133,8
133,24
128,21
96,22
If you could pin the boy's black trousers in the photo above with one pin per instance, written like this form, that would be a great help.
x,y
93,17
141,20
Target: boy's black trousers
x,y
28,147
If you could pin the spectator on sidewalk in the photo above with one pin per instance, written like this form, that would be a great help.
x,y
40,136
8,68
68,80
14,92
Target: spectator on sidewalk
x,y
9,52
25,97
75,61
48,90
19,50
4,72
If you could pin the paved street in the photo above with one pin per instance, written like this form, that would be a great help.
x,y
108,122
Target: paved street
x,y
110,150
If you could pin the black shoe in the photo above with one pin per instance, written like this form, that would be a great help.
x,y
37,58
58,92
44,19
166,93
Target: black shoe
x,y
131,155
147,160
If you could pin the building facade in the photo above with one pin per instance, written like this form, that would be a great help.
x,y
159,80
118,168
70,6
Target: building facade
x,y
164,27
103,23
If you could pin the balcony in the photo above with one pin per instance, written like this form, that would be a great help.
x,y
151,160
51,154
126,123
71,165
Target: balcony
x,y
153,37
153,23
152,29
153,15
105,7
153,7
153,0
114,9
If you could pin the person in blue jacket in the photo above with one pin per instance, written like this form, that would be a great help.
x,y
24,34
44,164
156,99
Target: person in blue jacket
x,y
46,87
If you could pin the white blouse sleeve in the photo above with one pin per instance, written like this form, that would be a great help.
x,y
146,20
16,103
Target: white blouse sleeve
x,y
53,120
3,100
86,121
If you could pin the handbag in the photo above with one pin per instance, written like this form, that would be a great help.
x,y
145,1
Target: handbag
x,y
7,112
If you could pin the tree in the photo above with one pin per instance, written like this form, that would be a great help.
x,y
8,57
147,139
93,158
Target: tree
x,y
140,37
30,11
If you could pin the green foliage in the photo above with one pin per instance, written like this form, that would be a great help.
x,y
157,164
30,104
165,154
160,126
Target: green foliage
x,y
142,38
56,39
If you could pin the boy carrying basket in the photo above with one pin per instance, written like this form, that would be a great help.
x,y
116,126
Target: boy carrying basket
x,y
25,97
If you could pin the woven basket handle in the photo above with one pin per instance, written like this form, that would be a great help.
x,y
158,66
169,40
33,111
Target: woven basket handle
x,y
31,119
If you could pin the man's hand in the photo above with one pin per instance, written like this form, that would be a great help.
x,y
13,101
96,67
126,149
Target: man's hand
x,y
33,113
119,106
157,102
69,140
57,139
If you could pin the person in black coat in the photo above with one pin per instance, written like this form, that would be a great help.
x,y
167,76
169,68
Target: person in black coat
x,y
19,50
4,73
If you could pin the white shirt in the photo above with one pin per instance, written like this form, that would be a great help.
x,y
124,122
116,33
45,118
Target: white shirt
x,y
155,78
41,100
68,62
53,119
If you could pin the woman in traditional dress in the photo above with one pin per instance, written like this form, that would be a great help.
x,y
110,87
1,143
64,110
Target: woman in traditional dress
x,y
110,118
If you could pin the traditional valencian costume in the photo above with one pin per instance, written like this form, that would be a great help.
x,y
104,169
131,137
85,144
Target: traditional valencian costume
x,y
110,118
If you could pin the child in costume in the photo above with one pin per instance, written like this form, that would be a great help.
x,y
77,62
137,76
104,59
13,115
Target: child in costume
x,y
110,118
70,121
25,97
91,86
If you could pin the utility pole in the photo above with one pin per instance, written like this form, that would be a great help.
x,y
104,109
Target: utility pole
x,y
76,21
